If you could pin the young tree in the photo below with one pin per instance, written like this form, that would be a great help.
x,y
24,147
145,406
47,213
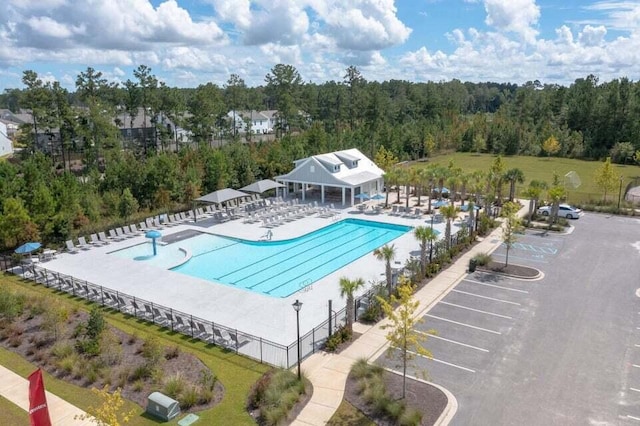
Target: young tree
x,y
283,84
606,178
556,193
347,289
387,253
16,226
511,226
235,93
551,146
402,335
425,235
111,410
128,204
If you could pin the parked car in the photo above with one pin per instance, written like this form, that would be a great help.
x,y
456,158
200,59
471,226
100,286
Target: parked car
x,y
565,210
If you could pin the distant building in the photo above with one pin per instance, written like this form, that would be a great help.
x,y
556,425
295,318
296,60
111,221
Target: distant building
x,y
149,127
256,122
6,147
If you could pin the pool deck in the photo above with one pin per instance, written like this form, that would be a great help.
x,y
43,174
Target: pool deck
x,y
260,315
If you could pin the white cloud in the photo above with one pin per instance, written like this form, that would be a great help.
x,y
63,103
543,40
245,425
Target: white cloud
x,y
593,36
517,16
620,15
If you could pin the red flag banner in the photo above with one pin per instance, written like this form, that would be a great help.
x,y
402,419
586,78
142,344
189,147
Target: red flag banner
x,y
38,410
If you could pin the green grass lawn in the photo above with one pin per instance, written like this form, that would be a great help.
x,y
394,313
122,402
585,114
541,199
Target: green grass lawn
x,y
538,168
11,414
236,373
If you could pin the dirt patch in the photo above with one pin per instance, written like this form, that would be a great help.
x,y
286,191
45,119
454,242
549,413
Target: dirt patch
x,y
423,397
511,270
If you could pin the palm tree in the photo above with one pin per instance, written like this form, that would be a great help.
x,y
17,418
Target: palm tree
x,y
347,288
449,212
388,254
424,235
533,192
390,178
513,176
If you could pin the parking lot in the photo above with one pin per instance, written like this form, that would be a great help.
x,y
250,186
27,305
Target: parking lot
x,y
564,349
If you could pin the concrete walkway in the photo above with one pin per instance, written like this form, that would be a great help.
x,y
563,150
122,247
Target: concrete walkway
x,y
15,388
328,372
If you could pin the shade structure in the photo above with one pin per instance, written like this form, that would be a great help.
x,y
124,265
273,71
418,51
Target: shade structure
x,y
444,190
153,234
222,195
378,197
261,186
363,196
466,208
28,248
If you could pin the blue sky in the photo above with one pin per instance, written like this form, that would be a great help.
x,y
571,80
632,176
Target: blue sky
x,y
190,42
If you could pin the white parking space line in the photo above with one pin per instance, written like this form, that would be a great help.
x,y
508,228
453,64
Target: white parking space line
x,y
486,297
635,390
476,310
433,336
529,259
637,346
634,418
443,362
463,324
635,365
496,286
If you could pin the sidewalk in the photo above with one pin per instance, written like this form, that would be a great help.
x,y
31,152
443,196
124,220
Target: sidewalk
x,y
16,389
328,372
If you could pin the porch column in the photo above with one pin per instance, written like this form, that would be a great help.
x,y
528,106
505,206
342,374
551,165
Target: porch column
x,y
352,196
322,193
304,190
343,195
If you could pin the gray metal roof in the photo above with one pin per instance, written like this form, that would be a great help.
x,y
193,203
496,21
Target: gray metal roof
x,y
345,156
222,195
261,186
360,178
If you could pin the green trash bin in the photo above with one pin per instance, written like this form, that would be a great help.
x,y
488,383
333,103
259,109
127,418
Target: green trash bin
x,y
472,265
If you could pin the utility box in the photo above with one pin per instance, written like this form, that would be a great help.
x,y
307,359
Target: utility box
x,y
162,407
472,265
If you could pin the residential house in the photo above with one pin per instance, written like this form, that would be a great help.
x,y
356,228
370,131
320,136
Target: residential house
x,y
256,122
6,146
150,129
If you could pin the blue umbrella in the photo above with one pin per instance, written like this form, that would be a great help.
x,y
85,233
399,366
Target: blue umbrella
x,y
153,234
444,190
439,204
363,196
378,197
28,248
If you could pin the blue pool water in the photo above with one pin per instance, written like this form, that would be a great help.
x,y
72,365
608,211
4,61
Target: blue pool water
x,y
275,268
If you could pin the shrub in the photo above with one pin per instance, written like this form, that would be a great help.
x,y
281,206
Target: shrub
x,y
172,352
205,395
138,385
410,417
95,324
207,379
482,259
275,394
11,304
61,350
133,338
110,349
66,364
174,386
152,351
189,398
141,372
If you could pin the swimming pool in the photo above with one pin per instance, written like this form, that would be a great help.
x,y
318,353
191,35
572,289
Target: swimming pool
x,y
277,268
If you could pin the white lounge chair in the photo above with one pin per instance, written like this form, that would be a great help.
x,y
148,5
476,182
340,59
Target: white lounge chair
x,y
71,248
82,243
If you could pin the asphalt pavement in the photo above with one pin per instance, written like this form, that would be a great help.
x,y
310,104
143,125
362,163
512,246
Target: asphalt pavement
x,y
560,350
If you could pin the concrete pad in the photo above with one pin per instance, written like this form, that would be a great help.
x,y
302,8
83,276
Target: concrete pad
x,y
335,381
314,414
328,397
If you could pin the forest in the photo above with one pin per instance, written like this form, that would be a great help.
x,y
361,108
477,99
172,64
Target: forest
x,y
42,199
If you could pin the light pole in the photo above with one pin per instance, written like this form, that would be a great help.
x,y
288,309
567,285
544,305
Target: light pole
x,y
297,307
620,192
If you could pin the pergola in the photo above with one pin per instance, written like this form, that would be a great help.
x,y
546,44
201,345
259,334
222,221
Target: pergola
x,y
349,171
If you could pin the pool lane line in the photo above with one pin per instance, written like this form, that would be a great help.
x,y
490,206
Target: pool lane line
x,y
311,250
216,249
462,324
486,297
321,265
476,310
319,235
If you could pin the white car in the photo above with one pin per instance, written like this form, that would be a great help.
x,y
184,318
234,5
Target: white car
x,y
564,210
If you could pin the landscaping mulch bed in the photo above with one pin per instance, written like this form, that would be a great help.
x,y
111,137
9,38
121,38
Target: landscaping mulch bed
x,y
512,270
26,337
423,397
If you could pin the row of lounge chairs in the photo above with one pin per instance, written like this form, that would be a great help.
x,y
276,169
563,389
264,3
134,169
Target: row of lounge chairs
x,y
167,318
405,212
